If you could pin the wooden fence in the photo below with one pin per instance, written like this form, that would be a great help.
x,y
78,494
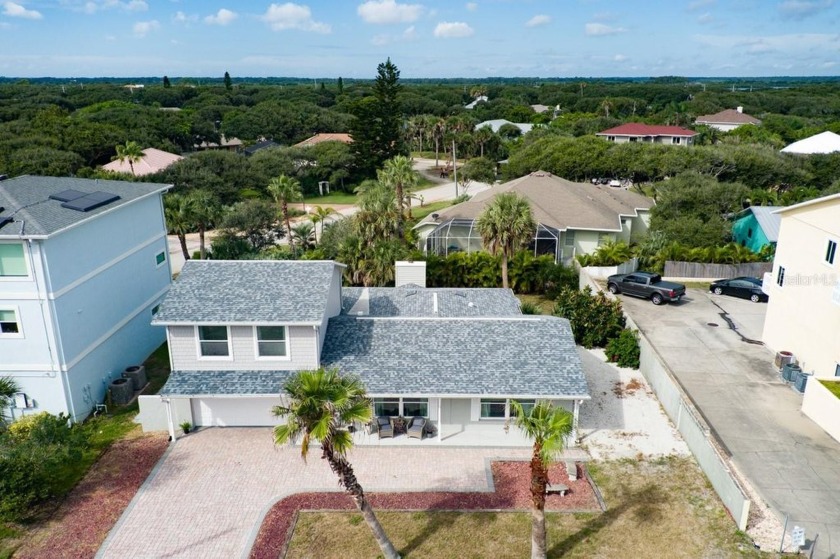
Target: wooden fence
x,y
675,269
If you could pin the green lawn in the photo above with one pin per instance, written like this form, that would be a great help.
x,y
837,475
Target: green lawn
x,y
418,212
661,508
337,197
540,301
833,386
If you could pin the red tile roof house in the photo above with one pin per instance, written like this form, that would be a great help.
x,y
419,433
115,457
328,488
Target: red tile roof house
x,y
653,134
727,120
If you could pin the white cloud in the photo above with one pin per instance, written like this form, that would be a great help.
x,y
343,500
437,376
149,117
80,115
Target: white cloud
x,y
136,6
705,18
538,20
16,10
93,6
143,28
595,29
389,11
453,30
222,17
619,58
800,9
410,33
181,17
472,6
281,17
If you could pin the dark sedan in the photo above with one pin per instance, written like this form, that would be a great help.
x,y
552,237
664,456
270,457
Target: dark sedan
x,y
745,288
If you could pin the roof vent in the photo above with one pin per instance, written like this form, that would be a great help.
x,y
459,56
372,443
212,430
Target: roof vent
x,y
5,220
3,177
740,109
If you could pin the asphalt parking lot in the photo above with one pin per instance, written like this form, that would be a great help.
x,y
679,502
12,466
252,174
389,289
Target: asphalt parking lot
x,y
712,344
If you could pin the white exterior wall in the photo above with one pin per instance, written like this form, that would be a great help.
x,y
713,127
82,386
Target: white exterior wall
x,y
184,351
803,315
823,407
639,225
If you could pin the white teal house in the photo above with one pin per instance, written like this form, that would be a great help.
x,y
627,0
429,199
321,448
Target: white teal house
x,y
83,266
238,330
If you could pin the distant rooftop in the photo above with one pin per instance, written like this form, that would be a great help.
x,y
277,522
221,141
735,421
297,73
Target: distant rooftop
x,y
824,142
331,137
26,200
414,301
153,161
729,116
496,124
638,129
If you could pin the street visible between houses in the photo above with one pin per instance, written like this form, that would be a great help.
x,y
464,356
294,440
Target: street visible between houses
x,y
708,342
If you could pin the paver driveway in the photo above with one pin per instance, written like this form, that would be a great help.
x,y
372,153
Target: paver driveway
x,y
210,492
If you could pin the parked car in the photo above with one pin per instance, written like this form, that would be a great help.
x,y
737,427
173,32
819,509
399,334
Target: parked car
x,y
646,285
743,287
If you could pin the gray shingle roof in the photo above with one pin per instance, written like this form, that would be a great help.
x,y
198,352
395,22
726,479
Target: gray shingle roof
x,y
769,221
516,356
248,292
239,383
418,301
28,198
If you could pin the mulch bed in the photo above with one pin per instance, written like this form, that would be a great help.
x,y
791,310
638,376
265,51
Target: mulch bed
x,y
512,483
83,521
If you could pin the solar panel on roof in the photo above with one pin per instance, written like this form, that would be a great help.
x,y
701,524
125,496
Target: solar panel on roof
x,y
90,201
67,195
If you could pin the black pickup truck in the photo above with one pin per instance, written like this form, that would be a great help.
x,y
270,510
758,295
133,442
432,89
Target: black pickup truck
x,y
647,286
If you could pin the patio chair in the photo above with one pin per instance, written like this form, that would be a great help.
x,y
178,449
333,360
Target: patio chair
x,y
384,427
417,427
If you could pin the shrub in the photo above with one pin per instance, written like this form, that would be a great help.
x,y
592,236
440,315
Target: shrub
x,y
624,349
33,454
609,254
528,307
594,318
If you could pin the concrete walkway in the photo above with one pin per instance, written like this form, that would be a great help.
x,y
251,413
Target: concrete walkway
x,y
792,463
211,490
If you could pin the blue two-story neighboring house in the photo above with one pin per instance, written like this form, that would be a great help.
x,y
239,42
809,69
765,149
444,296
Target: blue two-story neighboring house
x,y
83,267
756,227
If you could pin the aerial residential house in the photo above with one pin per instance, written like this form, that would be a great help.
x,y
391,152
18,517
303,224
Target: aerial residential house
x,y
803,314
152,161
226,144
325,137
83,268
573,218
496,124
259,146
648,133
824,142
727,120
456,357
757,227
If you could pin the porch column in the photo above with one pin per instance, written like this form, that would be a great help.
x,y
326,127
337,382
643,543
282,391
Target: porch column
x,y
169,422
575,415
440,419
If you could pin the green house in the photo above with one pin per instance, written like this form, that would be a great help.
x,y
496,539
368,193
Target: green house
x,y
757,227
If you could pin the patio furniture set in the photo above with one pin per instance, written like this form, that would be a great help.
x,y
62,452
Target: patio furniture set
x,y
414,427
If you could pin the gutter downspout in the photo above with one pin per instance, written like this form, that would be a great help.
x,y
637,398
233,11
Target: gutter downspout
x,y
170,424
575,415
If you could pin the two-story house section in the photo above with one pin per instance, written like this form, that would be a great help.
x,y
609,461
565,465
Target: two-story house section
x,y
83,266
236,328
454,357
803,313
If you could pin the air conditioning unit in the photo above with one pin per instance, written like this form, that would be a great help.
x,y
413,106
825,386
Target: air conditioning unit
x,y
137,375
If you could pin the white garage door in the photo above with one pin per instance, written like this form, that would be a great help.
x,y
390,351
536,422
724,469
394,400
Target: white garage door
x,y
234,412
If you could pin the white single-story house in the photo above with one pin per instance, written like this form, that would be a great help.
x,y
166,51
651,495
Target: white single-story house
x,y
496,124
572,218
649,133
727,120
457,357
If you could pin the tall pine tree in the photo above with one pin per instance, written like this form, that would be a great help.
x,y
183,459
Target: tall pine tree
x,y
377,126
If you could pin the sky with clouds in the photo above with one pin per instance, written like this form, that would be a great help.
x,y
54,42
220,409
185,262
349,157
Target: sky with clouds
x,y
426,39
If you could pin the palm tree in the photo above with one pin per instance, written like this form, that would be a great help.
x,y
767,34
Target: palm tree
x,y
304,235
130,152
177,211
548,427
285,189
204,211
482,136
438,133
320,403
506,224
320,215
398,173
8,387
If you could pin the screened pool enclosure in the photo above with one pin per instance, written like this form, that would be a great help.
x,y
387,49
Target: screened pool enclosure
x,y
460,235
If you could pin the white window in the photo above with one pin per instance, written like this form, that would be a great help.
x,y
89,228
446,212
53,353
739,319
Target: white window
x,y
401,407
271,341
500,408
160,259
213,341
12,260
675,140
780,276
10,324
830,251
